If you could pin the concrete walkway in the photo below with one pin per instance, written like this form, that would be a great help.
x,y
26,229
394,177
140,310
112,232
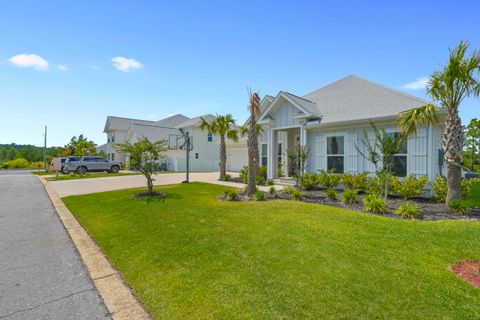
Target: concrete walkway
x,y
93,185
41,273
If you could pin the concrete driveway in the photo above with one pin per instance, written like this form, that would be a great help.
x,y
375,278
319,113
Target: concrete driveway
x,y
41,274
84,186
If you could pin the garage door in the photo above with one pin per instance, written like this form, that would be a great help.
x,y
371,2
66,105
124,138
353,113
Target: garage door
x,y
236,159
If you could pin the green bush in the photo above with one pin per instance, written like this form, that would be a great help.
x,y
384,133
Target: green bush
x,y
297,195
349,196
408,209
259,195
231,195
376,185
289,189
440,188
460,207
466,186
331,194
36,165
375,203
410,187
308,181
18,163
357,182
244,174
329,179
272,190
227,178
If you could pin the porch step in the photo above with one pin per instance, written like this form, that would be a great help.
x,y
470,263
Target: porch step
x,y
284,182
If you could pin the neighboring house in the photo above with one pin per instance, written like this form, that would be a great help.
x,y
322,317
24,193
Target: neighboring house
x,y
331,121
102,148
204,155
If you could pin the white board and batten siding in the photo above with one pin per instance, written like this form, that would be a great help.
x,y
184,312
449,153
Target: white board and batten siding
x,y
285,116
417,148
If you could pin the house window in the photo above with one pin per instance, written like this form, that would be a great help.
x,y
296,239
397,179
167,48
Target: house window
x,y
279,152
210,136
113,137
399,159
335,152
264,157
113,156
196,155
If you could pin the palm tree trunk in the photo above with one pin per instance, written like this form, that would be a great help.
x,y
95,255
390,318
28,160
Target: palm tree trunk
x,y
453,144
223,158
252,142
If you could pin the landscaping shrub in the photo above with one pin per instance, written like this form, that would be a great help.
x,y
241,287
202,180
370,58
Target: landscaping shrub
x,y
261,178
375,203
231,195
244,174
18,163
408,209
349,196
329,179
357,182
410,187
259,195
331,194
376,185
290,189
440,188
297,195
460,207
270,182
272,190
227,178
308,181
36,165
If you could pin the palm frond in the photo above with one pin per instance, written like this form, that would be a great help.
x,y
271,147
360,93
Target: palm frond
x,y
411,119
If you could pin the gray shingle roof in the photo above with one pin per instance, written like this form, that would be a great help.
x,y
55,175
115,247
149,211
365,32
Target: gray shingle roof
x,y
119,123
353,98
195,122
309,106
153,133
173,121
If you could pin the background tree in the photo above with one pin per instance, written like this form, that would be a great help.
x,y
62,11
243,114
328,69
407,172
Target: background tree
x,y
12,153
252,142
297,160
3,153
472,135
224,127
381,152
80,146
450,86
145,155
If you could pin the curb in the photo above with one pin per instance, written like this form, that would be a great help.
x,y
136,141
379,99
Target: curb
x,y
117,296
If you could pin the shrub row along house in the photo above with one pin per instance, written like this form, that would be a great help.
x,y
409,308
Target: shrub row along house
x,y
330,122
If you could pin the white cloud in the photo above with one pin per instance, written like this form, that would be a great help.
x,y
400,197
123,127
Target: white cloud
x,y
125,64
62,67
418,84
26,60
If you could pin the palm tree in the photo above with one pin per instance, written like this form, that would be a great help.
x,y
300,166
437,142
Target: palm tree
x,y
459,79
223,126
252,141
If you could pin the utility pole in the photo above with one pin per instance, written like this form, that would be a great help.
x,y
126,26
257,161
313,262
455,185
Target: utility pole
x,y
45,149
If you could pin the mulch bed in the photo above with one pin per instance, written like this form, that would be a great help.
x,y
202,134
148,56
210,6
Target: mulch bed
x,y
468,270
430,209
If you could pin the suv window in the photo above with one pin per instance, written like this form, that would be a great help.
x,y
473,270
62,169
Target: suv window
x,y
88,159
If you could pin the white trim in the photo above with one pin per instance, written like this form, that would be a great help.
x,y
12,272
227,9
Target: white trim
x,y
282,94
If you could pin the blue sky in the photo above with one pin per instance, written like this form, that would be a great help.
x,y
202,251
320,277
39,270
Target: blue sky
x,y
199,57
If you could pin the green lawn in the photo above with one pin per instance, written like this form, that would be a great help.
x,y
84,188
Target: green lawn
x,y
475,196
73,176
191,256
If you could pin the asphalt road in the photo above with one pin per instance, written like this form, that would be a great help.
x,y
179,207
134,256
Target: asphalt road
x,y
41,273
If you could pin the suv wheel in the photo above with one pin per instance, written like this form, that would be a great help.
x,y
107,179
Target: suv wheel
x,y
114,169
81,170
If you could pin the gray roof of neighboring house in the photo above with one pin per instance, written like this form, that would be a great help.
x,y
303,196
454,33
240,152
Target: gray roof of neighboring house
x,y
195,122
153,133
173,121
353,98
119,123
101,148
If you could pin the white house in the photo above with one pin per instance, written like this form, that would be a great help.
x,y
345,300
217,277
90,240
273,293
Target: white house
x,y
331,121
204,155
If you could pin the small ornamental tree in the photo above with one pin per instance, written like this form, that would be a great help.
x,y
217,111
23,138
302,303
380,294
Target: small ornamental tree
x,y
145,155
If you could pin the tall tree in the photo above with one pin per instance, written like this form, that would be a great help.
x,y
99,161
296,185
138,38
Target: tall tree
x,y
472,134
3,153
224,127
252,141
80,146
12,153
145,155
459,79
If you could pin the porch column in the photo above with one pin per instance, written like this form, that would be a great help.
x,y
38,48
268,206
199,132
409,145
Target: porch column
x,y
303,141
271,153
